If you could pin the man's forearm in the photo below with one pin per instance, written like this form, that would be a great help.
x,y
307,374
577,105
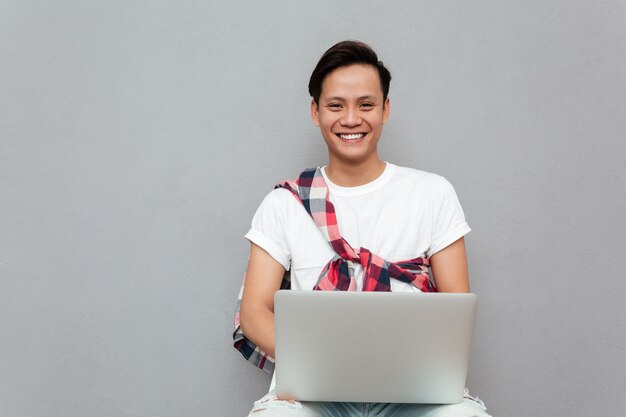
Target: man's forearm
x,y
257,324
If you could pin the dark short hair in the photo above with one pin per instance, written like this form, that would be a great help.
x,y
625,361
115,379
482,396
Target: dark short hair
x,y
343,54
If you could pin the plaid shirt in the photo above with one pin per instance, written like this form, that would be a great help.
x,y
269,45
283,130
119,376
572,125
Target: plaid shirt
x,y
311,191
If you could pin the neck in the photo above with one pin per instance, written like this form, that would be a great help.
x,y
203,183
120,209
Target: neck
x,y
354,174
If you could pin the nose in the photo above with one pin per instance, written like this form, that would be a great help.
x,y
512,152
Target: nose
x,y
351,118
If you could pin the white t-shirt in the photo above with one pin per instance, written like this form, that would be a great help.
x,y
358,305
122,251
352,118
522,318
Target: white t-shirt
x,y
401,215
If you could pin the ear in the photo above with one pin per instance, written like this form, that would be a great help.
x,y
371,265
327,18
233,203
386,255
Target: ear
x,y
315,113
386,110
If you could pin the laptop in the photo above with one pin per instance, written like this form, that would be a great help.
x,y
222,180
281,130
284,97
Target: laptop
x,y
392,347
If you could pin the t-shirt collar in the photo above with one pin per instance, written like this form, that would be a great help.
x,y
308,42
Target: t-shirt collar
x,y
360,189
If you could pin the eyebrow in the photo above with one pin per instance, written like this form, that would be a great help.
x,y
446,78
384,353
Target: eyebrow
x,y
367,97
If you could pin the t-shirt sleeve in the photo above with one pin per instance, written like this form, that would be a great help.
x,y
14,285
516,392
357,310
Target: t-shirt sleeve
x,y
268,227
449,223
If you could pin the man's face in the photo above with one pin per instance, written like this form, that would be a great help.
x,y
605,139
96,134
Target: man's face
x,y
351,113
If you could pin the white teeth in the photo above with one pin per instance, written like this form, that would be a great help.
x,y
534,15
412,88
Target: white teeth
x,y
352,136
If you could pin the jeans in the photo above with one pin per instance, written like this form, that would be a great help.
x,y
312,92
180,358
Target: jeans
x,y
269,406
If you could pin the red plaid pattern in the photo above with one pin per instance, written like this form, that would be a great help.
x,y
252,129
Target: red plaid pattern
x,y
311,191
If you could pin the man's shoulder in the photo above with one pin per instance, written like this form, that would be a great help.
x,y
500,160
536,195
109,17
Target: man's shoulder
x,y
418,178
279,197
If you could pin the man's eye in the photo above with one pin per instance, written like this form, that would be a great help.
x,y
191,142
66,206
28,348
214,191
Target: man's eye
x,y
334,106
367,105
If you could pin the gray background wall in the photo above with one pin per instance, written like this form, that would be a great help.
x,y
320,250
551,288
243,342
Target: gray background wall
x,y
138,138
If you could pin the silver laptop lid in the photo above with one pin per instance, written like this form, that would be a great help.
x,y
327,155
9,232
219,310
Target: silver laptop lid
x,y
373,347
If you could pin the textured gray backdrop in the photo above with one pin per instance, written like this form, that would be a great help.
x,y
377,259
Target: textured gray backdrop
x,y
138,138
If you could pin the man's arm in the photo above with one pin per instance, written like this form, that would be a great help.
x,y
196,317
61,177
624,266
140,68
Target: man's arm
x,y
256,315
449,267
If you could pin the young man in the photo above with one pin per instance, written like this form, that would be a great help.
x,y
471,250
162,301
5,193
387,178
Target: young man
x,y
383,212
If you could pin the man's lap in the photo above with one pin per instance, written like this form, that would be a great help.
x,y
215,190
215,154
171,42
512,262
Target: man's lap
x,y
269,406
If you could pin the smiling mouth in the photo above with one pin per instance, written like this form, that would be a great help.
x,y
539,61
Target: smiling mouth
x,y
351,136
